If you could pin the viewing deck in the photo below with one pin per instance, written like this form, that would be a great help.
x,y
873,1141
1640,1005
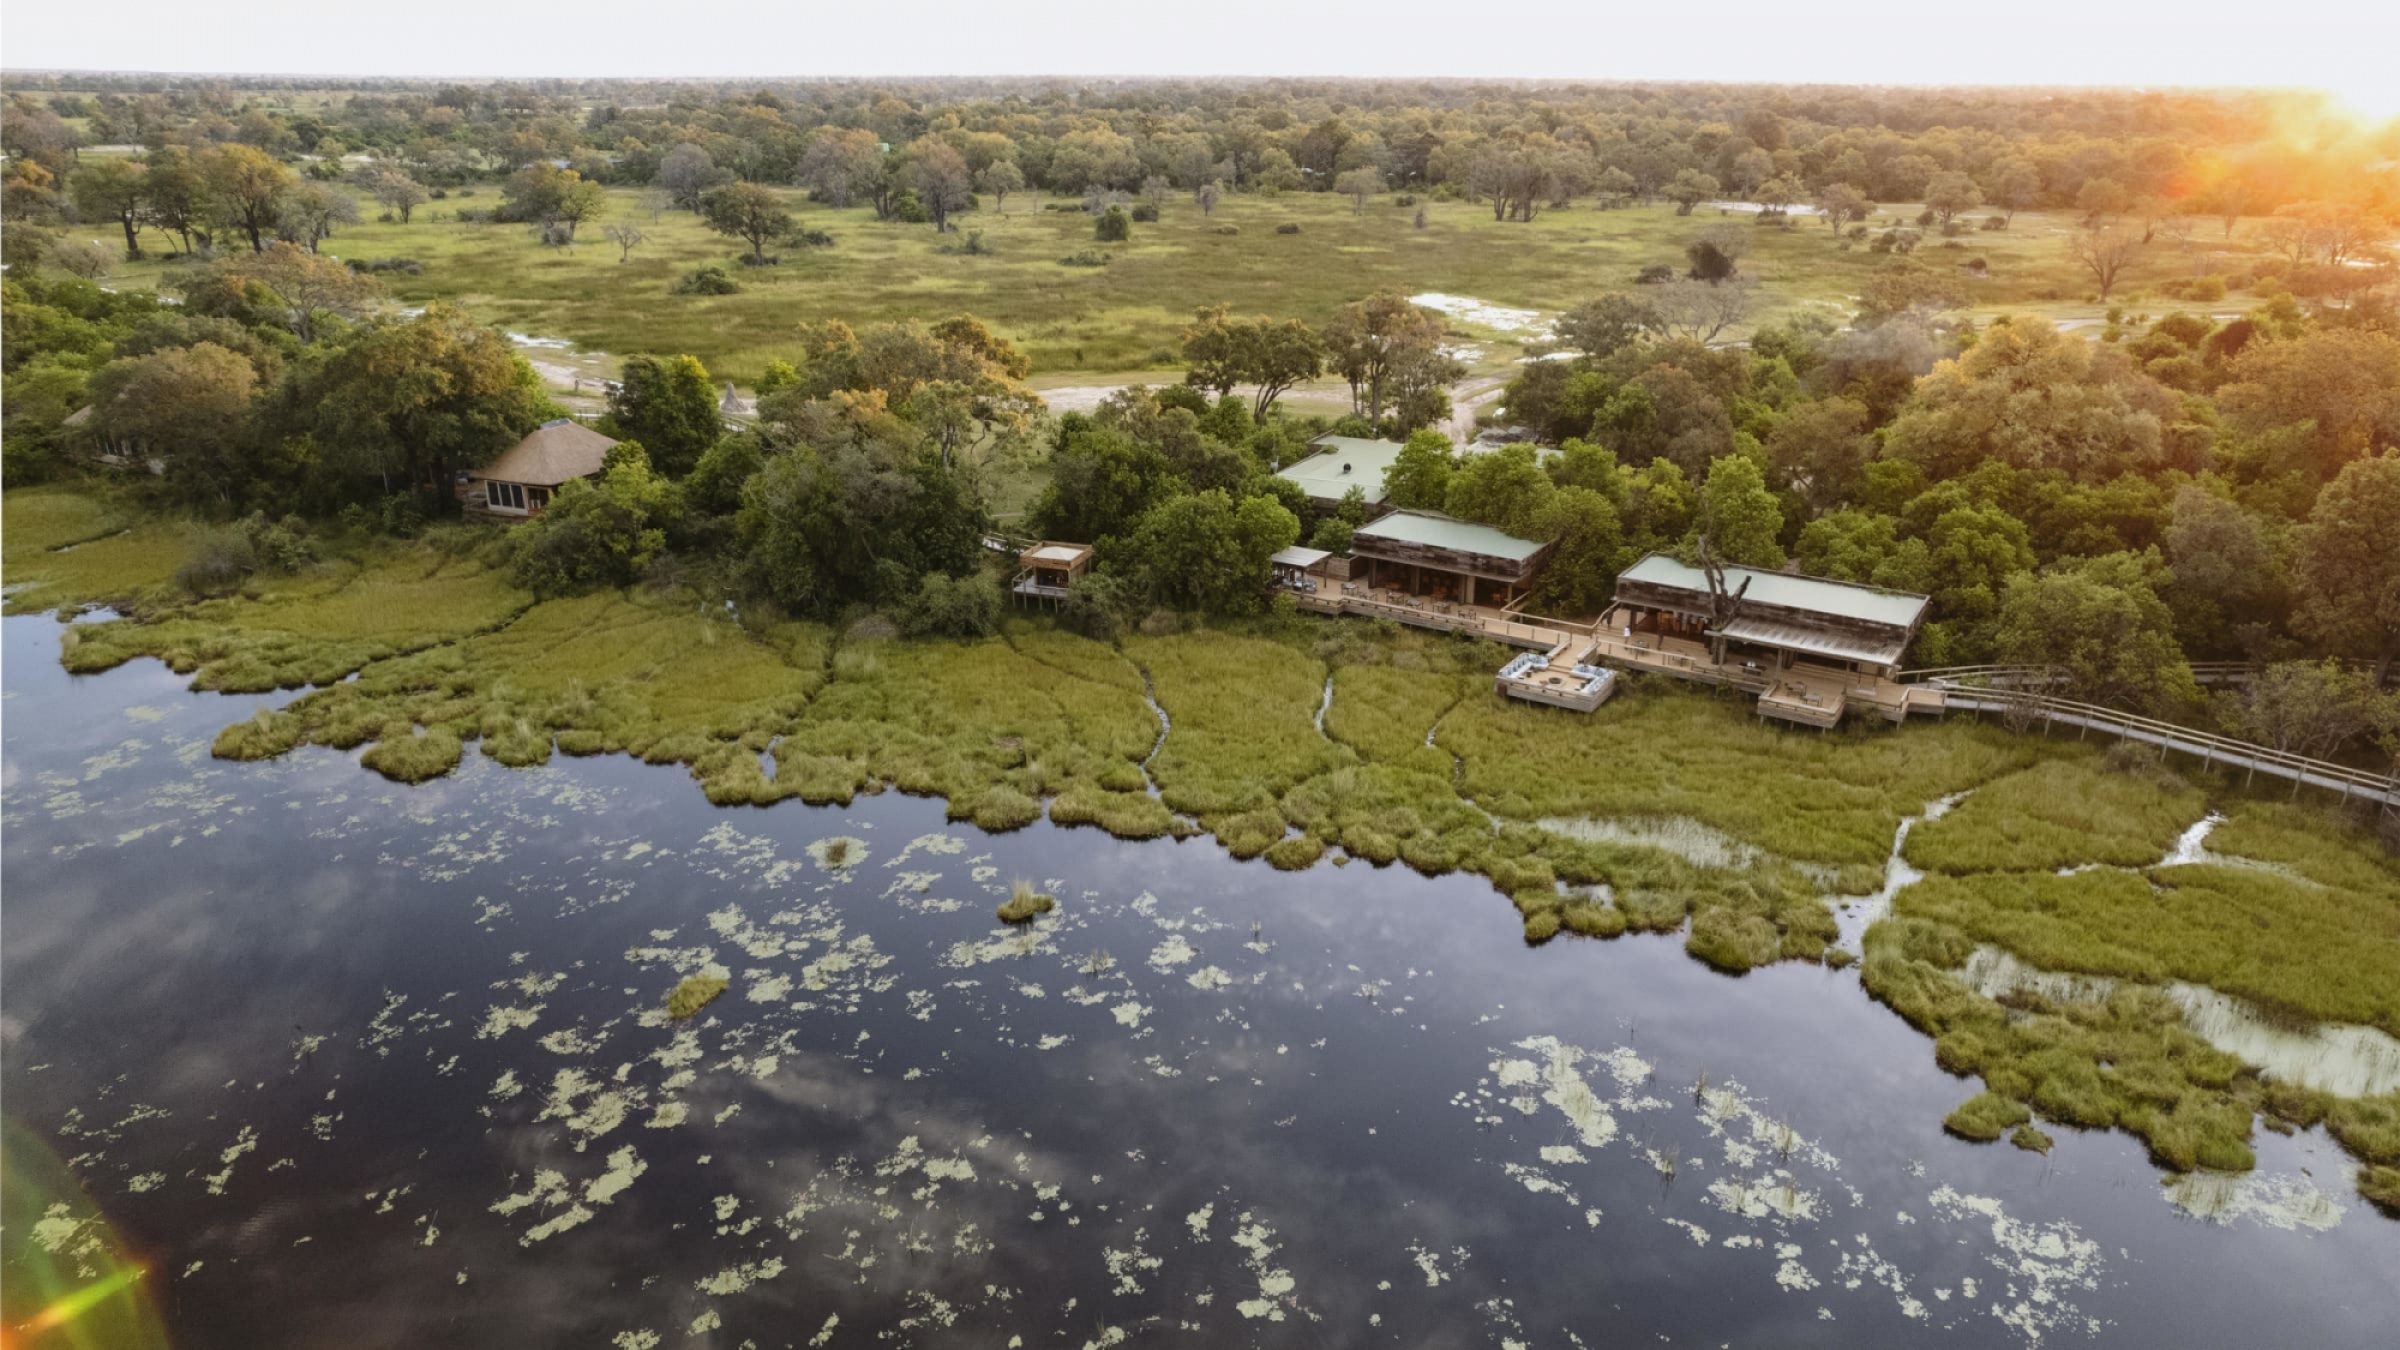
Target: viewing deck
x,y
1806,693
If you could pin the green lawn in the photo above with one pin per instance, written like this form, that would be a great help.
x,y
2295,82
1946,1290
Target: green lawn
x,y
1126,317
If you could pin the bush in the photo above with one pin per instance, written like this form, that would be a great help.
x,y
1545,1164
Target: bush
x,y
945,606
1086,257
1994,223
1656,274
694,992
1024,902
405,266
762,260
1113,226
1288,227
1225,229
1145,212
280,546
708,280
221,559
809,239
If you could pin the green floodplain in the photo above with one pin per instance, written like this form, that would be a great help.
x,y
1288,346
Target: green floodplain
x,y
2063,865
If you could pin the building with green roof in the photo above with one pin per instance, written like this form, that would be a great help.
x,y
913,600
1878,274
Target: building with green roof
x,y
1341,463
1428,553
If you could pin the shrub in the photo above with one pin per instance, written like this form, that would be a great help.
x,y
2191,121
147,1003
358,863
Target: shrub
x,y
1288,227
1656,274
809,239
1145,213
280,546
221,559
707,280
946,606
1994,223
1085,257
405,266
1113,227
1224,229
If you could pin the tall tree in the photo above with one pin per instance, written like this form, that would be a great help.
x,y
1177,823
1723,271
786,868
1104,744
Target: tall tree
x,y
747,212
114,189
2347,572
1369,341
2100,627
670,406
416,400
1738,516
245,185
2105,251
685,173
939,175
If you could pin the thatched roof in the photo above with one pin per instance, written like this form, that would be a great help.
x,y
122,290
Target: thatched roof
x,y
557,452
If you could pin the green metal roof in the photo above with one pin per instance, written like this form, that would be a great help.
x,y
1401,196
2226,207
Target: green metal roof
x,y
1440,531
1817,595
1342,463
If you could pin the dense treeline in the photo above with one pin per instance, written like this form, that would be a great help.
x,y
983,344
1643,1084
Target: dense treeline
x,y
921,149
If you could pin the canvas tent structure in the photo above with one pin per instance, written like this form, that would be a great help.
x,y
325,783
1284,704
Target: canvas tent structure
x,y
1340,463
520,483
1782,616
1430,554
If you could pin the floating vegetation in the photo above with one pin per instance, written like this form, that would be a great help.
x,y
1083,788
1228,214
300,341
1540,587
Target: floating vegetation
x,y
694,992
2031,1138
838,852
1024,902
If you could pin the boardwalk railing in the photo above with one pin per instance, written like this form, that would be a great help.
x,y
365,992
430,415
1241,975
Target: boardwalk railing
x,y
2020,677
2208,748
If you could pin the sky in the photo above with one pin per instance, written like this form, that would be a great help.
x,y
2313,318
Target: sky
x,y
2343,46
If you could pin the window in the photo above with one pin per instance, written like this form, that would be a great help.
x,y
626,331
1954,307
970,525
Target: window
x,y
504,496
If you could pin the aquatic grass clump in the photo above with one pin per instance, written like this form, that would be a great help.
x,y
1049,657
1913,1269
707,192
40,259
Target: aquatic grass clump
x,y
1732,941
409,754
1985,1116
694,992
2058,813
1244,714
2381,1186
1024,902
2031,1138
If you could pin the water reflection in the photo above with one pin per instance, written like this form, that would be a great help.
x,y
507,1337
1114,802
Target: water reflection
x,y
365,1064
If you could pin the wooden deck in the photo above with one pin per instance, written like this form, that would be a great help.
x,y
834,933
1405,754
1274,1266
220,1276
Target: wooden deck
x,y
1805,693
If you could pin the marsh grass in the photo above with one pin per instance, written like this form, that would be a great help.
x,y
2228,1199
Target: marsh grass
x,y
1024,902
2381,1185
1985,1116
2031,1138
2322,953
63,545
1833,798
694,992
2058,813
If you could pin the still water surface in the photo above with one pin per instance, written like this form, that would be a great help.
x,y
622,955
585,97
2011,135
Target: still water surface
x,y
357,1064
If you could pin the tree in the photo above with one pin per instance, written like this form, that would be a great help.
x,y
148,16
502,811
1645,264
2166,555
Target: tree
x,y
1206,551
1777,194
1359,184
244,186
2229,572
1690,188
419,399
114,189
2105,251
2347,571
839,165
302,289
176,193
1113,227
855,511
1419,478
1580,577
190,405
1701,310
397,192
1206,198
748,212
1865,547
598,532
939,174
627,237
1224,352
685,173
1155,190
1949,193
2101,198
1504,488
2333,393
2312,708
1608,324
1368,342
309,212
669,405
1819,449
2016,185
1739,518
1000,178
2029,396
1101,480
1840,203
2100,628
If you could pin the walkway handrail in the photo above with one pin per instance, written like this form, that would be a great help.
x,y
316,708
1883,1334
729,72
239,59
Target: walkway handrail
x,y
2280,763
2206,672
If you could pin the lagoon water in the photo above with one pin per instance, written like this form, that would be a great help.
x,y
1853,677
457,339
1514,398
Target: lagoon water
x,y
358,1064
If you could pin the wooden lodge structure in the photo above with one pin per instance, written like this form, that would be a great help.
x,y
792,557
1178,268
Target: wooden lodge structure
x,y
1425,553
1301,570
520,483
1047,569
1340,463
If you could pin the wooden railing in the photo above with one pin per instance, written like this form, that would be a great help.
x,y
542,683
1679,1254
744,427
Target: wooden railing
x,y
2209,748
2011,676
